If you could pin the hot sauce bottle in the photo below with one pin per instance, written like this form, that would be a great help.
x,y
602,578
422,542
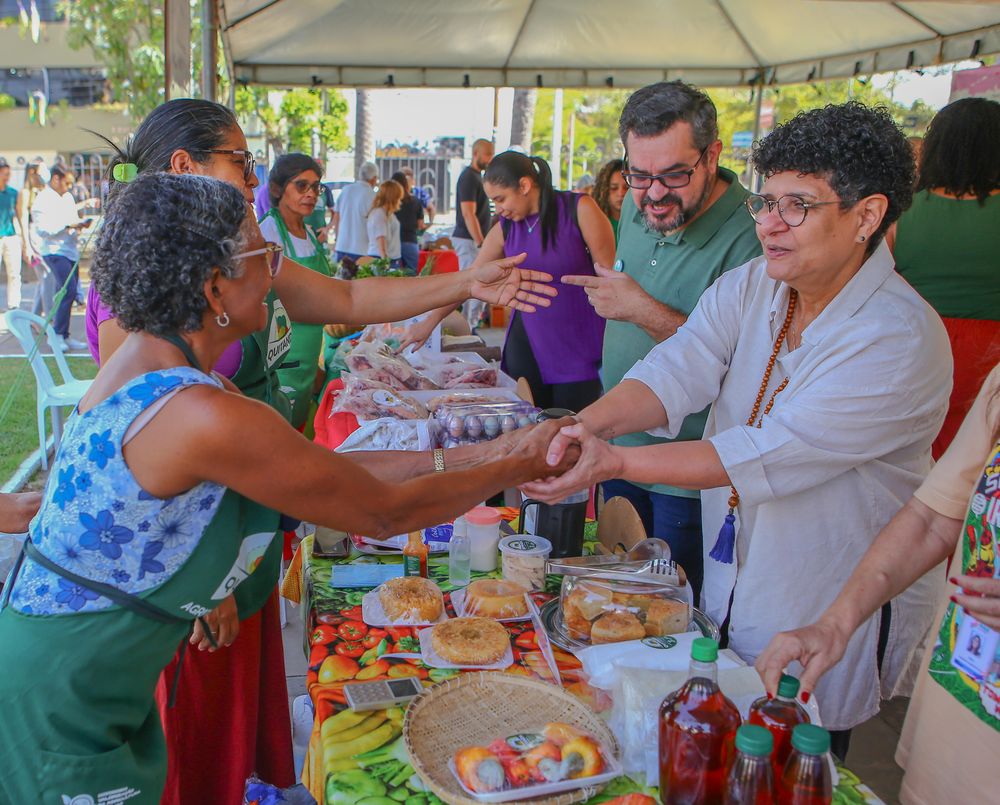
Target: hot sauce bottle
x,y
751,779
415,555
806,779
697,730
780,715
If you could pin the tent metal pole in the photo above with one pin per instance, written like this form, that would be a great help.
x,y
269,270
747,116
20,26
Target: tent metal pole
x,y
754,177
209,49
557,114
177,49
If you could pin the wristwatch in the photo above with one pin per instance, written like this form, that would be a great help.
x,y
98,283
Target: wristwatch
x,y
439,460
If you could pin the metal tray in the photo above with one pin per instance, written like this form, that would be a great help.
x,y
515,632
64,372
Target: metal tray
x,y
552,620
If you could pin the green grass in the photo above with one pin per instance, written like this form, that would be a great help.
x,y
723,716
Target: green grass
x,y
18,432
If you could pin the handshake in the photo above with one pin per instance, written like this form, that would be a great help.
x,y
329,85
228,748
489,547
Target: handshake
x,y
562,457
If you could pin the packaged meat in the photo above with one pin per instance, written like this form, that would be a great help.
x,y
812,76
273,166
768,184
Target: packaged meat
x,y
374,361
370,399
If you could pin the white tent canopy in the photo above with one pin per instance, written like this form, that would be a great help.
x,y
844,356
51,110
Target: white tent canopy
x,y
594,43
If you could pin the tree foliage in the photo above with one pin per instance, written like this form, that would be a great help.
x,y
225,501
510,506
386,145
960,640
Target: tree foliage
x,y
294,119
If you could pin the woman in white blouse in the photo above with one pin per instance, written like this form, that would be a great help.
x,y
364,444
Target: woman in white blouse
x,y
828,378
383,225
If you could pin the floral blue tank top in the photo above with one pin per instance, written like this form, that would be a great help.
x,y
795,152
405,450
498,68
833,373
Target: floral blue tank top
x,y
97,522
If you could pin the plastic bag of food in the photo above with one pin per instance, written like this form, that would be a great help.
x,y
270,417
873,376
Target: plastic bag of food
x,y
450,371
370,359
390,434
369,399
557,757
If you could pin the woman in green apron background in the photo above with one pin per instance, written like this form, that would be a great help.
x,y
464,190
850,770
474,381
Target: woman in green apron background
x,y
148,518
294,186
212,727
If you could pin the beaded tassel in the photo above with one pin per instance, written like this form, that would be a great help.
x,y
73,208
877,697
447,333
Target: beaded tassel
x,y
725,544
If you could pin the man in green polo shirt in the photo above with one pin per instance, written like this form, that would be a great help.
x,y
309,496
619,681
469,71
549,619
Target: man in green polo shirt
x,y
682,225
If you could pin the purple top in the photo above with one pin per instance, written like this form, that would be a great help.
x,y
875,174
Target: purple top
x,y
566,337
98,313
262,200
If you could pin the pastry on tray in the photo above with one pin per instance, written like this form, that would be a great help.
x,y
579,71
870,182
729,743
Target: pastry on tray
x,y
411,598
641,609
495,598
616,626
470,641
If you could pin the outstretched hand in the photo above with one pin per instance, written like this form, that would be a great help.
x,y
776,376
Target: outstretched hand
x,y
613,294
817,647
501,282
598,461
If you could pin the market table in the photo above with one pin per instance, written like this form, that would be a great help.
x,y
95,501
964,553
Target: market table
x,y
353,756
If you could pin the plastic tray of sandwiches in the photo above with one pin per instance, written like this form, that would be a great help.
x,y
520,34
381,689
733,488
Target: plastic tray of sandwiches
x,y
595,610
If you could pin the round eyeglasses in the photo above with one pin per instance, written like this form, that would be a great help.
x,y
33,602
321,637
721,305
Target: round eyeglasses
x,y
791,209
671,180
274,254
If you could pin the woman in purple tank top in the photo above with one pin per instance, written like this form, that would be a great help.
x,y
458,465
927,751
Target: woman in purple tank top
x,y
557,349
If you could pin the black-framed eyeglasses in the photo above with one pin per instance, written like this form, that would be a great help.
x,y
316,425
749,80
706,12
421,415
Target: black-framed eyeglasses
x,y
791,209
272,250
249,161
671,180
304,186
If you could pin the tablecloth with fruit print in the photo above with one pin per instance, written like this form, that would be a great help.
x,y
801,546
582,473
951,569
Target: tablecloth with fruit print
x,y
359,758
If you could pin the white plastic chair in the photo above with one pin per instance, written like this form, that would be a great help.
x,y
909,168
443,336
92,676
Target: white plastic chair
x,y
26,326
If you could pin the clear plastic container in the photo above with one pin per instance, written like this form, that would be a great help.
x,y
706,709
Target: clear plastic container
x,y
483,526
524,558
459,554
596,610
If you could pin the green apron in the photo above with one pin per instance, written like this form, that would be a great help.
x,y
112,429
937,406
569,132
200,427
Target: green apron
x,y
257,377
298,372
78,719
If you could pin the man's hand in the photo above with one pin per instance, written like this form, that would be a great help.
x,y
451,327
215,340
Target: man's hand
x,y
501,282
817,647
980,597
598,461
223,621
613,294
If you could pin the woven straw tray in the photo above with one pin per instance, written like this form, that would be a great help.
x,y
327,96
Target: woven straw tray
x,y
476,708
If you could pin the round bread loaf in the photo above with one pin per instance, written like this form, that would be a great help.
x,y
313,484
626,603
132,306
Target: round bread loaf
x,y
495,598
470,641
613,627
411,599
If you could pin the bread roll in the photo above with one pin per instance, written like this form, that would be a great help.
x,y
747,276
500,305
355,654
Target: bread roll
x,y
613,627
666,616
411,599
470,641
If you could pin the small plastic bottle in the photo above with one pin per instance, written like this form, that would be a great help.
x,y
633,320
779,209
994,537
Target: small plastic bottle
x,y
459,555
415,554
698,726
751,778
806,779
780,715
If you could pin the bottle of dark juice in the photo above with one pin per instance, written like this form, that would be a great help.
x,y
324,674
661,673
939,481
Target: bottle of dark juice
x,y
751,779
697,730
780,715
806,779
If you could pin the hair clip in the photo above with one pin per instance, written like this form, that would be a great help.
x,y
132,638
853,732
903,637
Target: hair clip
x,y
125,172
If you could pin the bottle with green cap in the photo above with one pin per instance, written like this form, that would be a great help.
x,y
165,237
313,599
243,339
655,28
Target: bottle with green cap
x,y
751,779
806,779
698,726
780,715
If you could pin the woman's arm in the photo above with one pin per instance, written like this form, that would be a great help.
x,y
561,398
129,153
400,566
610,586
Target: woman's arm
x,y
17,509
383,250
596,230
913,542
201,434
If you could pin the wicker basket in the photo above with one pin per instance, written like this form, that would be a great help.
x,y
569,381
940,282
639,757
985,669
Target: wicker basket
x,y
476,708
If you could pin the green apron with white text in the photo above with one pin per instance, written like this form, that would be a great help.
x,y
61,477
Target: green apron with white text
x,y
78,719
297,374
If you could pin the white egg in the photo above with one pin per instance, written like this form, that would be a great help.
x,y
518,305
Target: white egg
x,y
508,423
491,425
473,426
456,426
523,421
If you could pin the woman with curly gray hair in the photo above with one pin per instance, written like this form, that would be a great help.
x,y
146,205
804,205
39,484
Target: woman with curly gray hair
x,y
157,504
827,377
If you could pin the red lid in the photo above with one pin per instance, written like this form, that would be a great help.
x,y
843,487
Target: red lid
x,y
483,515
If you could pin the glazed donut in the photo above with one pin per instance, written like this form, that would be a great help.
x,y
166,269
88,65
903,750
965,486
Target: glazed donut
x,y
470,641
411,599
495,598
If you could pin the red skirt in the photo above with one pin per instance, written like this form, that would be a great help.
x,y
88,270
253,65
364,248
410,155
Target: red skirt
x,y
975,347
231,716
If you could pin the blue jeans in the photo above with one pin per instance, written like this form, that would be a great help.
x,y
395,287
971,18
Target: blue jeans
x,y
675,520
62,269
411,255
341,255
